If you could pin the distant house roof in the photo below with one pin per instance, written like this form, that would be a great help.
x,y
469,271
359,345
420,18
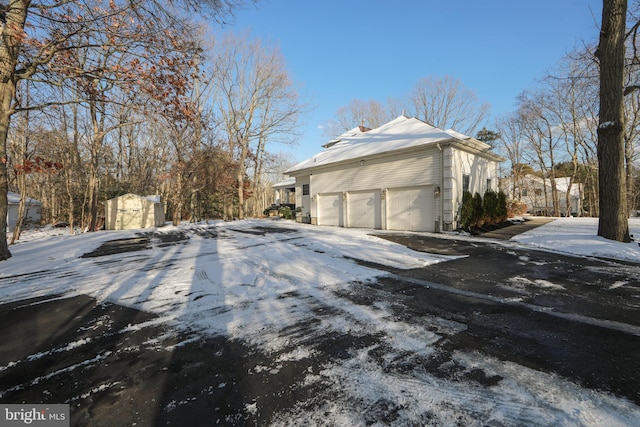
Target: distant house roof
x,y
285,183
399,134
14,199
562,184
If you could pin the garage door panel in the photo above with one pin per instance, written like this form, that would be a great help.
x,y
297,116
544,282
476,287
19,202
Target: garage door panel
x,y
330,209
410,209
364,209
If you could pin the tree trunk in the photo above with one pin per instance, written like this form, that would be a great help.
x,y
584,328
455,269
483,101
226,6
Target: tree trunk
x,y
613,223
5,102
244,152
22,210
11,38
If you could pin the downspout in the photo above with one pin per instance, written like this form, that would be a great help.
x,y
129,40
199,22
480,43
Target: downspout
x,y
440,224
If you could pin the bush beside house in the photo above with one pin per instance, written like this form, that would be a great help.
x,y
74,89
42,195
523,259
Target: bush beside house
x,y
478,211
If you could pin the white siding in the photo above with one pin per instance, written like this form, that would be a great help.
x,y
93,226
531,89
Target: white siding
x,y
449,190
479,170
330,209
410,209
410,169
364,209
303,202
422,168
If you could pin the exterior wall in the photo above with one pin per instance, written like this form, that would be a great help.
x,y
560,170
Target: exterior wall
x,y
449,190
421,168
32,214
303,202
479,170
132,211
417,168
408,170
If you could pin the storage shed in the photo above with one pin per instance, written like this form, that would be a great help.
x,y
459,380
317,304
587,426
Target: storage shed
x,y
404,175
133,211
32,213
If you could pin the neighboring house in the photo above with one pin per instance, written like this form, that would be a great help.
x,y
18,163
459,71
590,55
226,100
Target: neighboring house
x,y
133,211
404,175
33,210
285,192
536,193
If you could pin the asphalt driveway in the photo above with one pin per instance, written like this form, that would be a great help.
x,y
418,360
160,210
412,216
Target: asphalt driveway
x,y
572,318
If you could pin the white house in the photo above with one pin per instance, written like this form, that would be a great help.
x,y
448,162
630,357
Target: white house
x,y
536,193
131,211
404,175
32,213
285,192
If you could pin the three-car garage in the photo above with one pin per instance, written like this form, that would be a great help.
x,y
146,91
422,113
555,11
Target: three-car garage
x,y
408,208
405,175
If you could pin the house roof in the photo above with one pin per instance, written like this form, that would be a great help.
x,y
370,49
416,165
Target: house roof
x,y
14,199
285,183
399,134
562,184
348,134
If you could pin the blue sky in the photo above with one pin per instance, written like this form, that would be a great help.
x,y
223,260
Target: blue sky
x,y
340,50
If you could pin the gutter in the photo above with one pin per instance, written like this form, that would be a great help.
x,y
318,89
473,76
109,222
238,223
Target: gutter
x,y
440,223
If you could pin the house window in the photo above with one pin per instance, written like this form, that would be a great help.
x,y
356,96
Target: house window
x,y
466,180
525,192
305,189
488,184
538,192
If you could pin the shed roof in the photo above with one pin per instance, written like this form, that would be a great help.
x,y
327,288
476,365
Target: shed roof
x,y
156,198
399,134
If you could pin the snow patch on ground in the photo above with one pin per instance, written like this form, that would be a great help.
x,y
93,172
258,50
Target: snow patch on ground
x,y
251,287
578,236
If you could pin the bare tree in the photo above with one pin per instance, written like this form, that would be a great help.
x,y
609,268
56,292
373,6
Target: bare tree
x,y
369,114
33,34
613,223
444,103
256,101
571,99
512,143
538,129
447,104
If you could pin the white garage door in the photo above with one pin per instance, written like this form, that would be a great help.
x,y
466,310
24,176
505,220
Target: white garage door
x,y
410,209
363,209
330,209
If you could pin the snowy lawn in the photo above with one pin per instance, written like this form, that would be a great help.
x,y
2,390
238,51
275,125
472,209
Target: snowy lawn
x,y
578,236
251,285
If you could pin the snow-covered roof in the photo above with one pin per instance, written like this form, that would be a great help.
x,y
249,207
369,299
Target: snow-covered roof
x,y
155,198
285,183
399,134
562,184
348,134
14,198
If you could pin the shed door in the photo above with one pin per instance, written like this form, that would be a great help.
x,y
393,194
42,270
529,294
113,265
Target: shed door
x,y
363,209
330,209
410,209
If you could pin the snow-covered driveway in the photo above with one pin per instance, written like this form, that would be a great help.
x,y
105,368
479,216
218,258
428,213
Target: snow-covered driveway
x,y
271,322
